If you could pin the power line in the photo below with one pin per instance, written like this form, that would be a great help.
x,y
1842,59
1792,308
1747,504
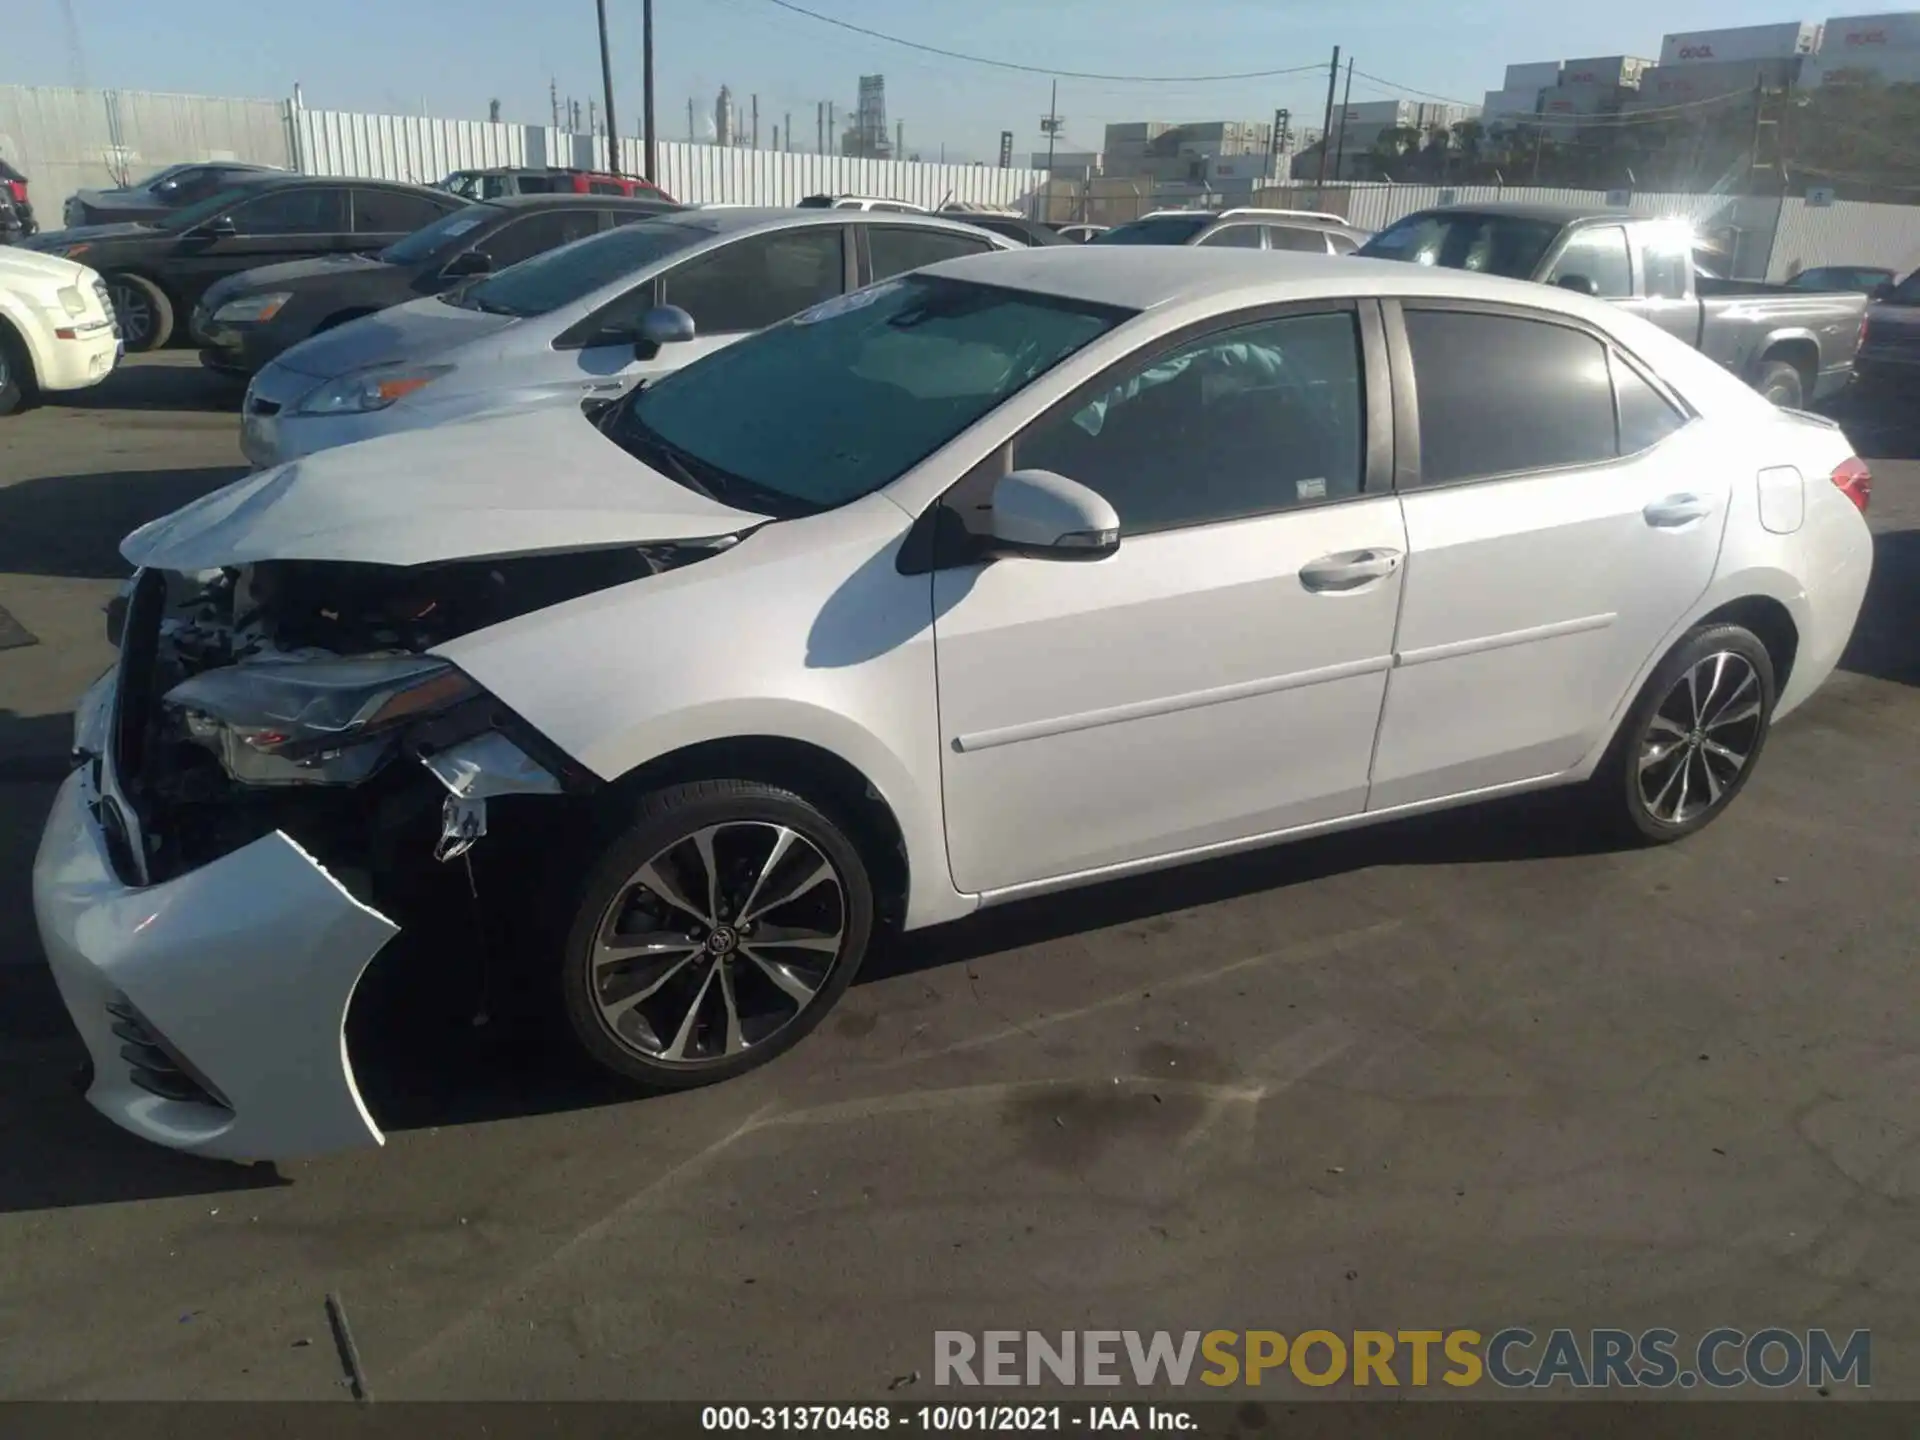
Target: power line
x,y
1038,69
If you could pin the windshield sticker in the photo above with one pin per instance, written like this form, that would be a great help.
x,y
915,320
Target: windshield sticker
x,y
461,226
844,304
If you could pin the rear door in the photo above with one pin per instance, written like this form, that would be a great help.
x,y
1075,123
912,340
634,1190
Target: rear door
x,y
1562,516
1664,289
292,223
889,248
381,216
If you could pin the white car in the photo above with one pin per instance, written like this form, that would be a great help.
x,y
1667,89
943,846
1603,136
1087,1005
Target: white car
x,y
585,321
1010,575
57,329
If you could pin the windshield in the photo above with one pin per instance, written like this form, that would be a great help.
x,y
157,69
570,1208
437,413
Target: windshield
x,y
1495,244
846,397
192,215
427,241
560,277
157,176
1167,230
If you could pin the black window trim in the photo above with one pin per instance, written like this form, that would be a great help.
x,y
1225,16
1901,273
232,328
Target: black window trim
x,y
1617,357
924,550
1406,398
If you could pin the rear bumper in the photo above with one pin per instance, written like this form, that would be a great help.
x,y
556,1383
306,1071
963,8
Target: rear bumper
x,y
213,1005
1832,381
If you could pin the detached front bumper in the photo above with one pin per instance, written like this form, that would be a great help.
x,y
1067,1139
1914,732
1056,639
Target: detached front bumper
x,y
214,1004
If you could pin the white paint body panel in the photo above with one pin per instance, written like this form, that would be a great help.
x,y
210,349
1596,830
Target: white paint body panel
x,y
246,966
30,286
1186,696
1783,499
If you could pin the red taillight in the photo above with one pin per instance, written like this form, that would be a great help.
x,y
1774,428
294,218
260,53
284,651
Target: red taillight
x,y
1855,481
19,190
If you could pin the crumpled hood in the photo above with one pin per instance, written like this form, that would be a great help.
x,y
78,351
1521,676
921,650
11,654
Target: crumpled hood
x,y
529,482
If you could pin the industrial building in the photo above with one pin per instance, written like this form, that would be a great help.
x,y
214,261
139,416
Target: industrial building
x,y
866,136
1171,153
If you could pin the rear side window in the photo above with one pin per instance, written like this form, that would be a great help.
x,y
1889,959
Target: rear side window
x,y
896,249
392,212
527,185
1501,395
759,280
1646,416
1667,268
604,187
1293,237
1244,237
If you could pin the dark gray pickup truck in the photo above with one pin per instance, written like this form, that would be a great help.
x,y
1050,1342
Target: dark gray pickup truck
x,y
1791,345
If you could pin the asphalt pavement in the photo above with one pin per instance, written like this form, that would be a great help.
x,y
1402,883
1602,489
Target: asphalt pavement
x,y
1460,1072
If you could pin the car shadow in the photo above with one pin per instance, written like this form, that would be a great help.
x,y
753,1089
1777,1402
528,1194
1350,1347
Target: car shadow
x,y
152,386
72,525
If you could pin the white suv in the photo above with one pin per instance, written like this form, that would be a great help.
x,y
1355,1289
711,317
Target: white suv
x,y
57,329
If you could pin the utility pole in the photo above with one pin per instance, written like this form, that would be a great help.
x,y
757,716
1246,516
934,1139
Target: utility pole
x,y
1052,127
1326,129
756,121
833,135
1346,101
819,127
553,98
606,84
650,158
692,133
787,130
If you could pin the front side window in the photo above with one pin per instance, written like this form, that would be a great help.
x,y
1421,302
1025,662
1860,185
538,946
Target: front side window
x,y
758,280
536,234
574,272
1242,237
191,215
463,183
1667,261
852,394
294,212
1501,395
896,249
1599,253
1907,292
423,243
1492,244
1247,421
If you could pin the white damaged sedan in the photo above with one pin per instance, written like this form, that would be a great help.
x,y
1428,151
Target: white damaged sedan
x,y
1009,575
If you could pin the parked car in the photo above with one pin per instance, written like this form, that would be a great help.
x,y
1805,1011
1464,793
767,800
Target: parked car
x,y
1864,278
1889,357
1306,231
57,330
159,271
1015,228
161,193
580,322
862,202
16,209
245,320
1080,234
889,613
504,181
1792,347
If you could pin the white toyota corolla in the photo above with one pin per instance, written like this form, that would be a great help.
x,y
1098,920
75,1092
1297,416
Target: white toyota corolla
x,y
1008,575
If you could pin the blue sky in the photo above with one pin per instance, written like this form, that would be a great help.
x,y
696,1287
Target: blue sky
x,y
452,56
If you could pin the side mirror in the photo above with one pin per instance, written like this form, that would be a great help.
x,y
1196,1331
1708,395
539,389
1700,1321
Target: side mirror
x,y
661,326
1579,284
468,263
220,227
1041,515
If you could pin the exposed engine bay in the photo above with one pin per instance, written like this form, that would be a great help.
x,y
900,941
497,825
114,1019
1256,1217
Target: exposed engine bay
x,y
300,696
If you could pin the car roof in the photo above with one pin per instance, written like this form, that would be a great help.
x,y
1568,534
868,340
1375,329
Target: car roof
x,y
279,180
1143,277
1524,210
767,217
575,200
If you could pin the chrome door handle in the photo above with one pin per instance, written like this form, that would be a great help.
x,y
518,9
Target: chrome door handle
x,y
1349,570
601,387
1676,510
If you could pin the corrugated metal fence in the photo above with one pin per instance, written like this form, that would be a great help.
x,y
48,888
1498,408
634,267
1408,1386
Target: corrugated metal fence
x,y
66,140
417,148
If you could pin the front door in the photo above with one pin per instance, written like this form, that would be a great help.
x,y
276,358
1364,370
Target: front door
x,y
1221,676
1556,534
294,223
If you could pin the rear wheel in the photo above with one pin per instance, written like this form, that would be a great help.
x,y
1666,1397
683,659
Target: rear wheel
x,y
1692,739
144,311
1780,382
714,933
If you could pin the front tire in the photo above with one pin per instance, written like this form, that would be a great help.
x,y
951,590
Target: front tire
x,y
1692,739
714,933
144,311
17,390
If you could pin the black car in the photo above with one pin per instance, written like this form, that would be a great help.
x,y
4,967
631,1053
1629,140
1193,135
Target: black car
x,y
161,193
246,319
1026,232
161,270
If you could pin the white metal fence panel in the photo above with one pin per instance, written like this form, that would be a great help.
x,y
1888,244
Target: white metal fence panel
x,y
65,140
1847,232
